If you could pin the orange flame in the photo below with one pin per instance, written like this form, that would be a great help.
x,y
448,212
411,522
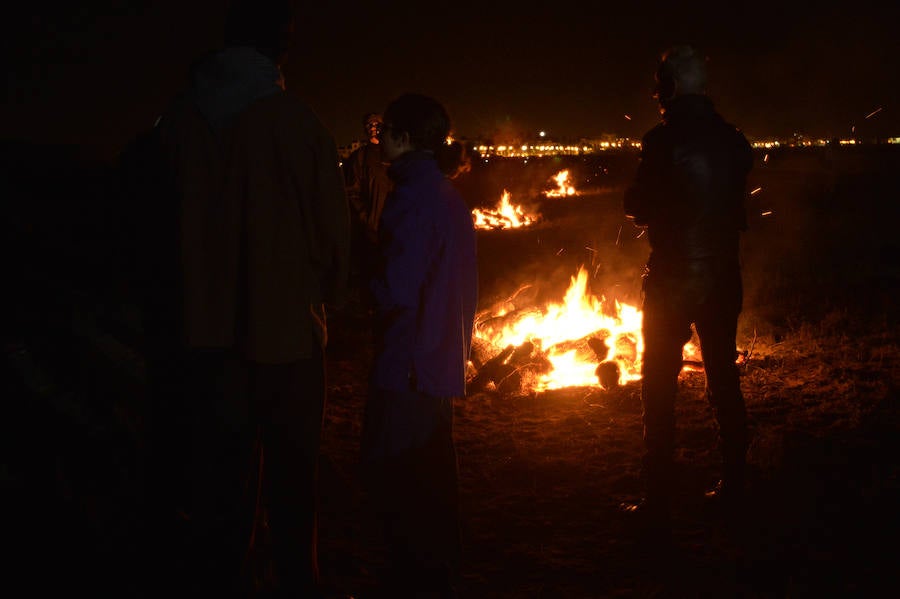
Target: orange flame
x,y
563,188
583,341
569,336
504,216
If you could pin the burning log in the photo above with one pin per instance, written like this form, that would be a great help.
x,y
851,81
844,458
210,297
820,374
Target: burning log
x,y
608,370
492,370
510,367
608,374
626,348
594,341
598,345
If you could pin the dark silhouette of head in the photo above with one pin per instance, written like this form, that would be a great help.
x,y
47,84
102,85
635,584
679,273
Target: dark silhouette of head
x,y
266,25
427,124
681,70
424,119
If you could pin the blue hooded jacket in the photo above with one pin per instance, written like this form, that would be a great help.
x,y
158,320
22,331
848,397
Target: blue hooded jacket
x,y
427,285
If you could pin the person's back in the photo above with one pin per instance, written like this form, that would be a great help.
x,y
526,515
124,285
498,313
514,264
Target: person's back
x,y
688,193
366,178
701,164
247,258
259,246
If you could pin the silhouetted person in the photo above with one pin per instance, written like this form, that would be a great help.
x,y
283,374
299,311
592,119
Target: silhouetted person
x,y
425,294
253,243
367,184
689,193
365,174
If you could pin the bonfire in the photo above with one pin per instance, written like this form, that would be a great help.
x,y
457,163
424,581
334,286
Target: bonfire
x,y
563,187
583,341
504,216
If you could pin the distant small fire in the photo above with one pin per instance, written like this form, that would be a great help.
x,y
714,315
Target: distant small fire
x,y
563,187
504,216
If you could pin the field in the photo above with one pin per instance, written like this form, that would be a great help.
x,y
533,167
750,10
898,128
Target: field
x,y
542,474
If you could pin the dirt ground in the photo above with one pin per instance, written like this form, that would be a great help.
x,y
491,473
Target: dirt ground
x,y
542,474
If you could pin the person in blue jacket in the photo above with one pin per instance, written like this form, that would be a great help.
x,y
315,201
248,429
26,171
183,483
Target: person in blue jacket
x,y
425,292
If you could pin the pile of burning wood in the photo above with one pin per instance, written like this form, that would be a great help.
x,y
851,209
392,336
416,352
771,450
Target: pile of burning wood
x,y
517,369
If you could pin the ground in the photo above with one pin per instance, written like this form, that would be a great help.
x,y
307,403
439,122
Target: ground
x,y
542,475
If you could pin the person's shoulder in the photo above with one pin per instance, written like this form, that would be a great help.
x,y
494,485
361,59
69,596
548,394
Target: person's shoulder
x,y
292,116
736,132
655,134
285,103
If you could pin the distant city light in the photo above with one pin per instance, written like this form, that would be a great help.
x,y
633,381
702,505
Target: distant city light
x,y
545,146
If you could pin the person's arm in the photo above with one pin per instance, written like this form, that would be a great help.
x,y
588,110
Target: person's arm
x,y
643,195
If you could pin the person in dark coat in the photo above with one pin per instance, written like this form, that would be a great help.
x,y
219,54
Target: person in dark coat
x,y
253,243
368,185
689,192
366,178
425,292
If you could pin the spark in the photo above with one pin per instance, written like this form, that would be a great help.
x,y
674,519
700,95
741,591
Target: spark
x,y
874,112
766,213
756,191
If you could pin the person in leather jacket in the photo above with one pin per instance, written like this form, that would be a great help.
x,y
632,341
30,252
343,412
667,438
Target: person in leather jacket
x,y
688,192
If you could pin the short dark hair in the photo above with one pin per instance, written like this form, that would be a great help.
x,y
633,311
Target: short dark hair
x,y
266,25
423,118
685,65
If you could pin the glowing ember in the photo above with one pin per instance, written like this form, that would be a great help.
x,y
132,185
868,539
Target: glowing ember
x,y
563,188
504,216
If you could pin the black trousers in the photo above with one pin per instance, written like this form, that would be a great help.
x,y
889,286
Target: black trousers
x,y
670,308
410,472
233,439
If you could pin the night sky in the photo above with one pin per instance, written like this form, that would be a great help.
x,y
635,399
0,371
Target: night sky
x,y
94,74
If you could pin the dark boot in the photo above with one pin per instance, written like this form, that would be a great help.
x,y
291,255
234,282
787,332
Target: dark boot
x,y
653,513
730,490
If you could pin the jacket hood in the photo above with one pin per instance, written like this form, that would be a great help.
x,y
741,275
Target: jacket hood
x,y
226,81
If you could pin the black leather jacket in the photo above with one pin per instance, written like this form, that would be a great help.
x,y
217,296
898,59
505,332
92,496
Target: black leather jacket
x,y
690,186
